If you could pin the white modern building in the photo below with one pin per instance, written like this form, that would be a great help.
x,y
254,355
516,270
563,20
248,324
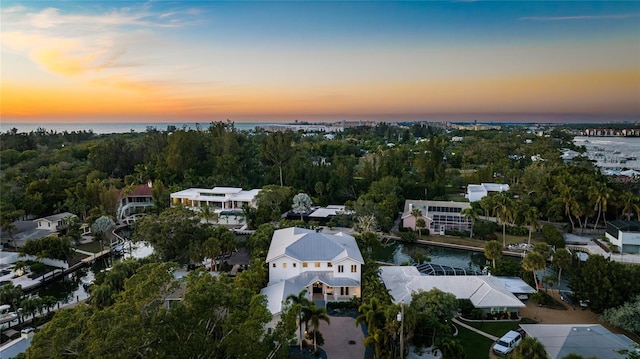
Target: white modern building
x,y
487,293
625,235
438,216
476,192
218,198
328,266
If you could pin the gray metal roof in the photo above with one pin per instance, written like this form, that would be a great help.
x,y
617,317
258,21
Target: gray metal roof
x,y
308,245
587,340
516,285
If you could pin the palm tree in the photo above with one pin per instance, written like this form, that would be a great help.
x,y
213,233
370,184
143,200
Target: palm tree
x,y
316,314
416,213
420,223
49,302
377,340
372,315
504,212
531,218
13,295
471,213
629,202
211,249
561,260
301,304
529,348
493,251
533,262
567,197
207,213
600,195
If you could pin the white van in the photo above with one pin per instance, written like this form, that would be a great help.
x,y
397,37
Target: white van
x,y
508,342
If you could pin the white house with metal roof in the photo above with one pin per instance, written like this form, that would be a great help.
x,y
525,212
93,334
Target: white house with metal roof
x,y
328,266
485,292
218,198
476,192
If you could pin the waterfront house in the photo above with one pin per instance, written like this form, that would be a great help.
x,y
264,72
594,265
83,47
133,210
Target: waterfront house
x,y
625,235
328,266
219,199
485,292
36,229
585,340
54,222
133,200
439,216
476,192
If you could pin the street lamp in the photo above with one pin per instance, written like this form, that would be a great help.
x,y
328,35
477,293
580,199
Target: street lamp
x,y
400,318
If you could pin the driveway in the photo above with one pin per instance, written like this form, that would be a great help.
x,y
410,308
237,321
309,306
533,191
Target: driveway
x,y
337,337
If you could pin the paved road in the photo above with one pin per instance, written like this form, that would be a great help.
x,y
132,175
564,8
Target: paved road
x,y
337,336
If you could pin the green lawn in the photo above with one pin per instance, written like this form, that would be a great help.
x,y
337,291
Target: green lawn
x,y
475,345
497,328
93,247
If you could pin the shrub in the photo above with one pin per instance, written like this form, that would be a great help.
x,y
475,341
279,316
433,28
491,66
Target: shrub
x,y
552,236
541,298
409,236
466,307
516,231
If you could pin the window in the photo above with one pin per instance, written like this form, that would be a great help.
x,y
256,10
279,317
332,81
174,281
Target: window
x,y
344,290
340,268
284,265
329,265
274,265
304,264
354,268
317,264
294,265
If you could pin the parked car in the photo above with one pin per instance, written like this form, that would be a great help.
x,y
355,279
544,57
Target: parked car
x,y
27,330
509,341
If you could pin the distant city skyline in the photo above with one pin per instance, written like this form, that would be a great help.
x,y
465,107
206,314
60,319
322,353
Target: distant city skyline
x,y
156,61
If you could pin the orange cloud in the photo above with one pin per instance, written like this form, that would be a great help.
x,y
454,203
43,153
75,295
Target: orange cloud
x,y
606,92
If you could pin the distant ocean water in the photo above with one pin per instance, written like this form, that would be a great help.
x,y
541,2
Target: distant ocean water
x,y
114,127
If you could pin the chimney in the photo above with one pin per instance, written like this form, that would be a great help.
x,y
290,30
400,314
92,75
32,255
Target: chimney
x,y
149,184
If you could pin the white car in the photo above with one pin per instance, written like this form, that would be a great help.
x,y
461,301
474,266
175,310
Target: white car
x,y
27,330
508,342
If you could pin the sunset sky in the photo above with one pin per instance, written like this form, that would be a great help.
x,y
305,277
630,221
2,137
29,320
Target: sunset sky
x,y
70,61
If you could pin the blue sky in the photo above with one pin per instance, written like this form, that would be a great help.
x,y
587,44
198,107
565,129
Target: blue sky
x,y
263,59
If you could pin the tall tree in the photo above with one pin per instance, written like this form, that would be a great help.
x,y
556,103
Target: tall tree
x,y
316,314
532,215
278,149
533,262
629,201
493,251
301,204
561,260
300,305
472,213
600,194
504,212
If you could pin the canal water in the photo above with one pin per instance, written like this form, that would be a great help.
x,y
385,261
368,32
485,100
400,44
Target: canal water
x,y
70,290
401,253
